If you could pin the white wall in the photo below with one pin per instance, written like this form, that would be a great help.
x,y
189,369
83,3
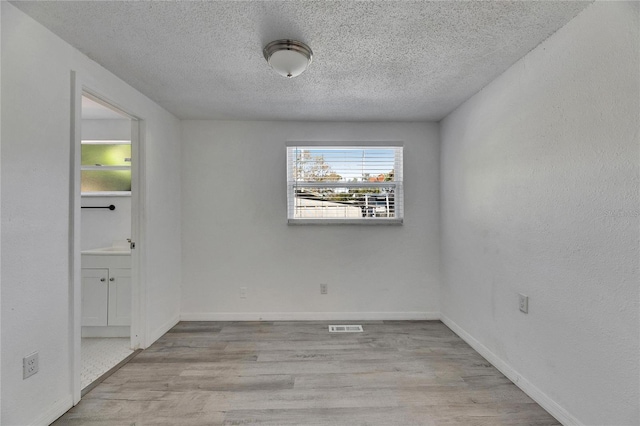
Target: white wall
x,y
0,220
36,68
540,196
102,227
235,231
101,130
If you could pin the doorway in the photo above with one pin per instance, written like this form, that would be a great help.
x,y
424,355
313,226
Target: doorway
x,y
105,168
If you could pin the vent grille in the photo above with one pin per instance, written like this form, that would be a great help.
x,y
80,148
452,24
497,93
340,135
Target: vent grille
x,y
345,329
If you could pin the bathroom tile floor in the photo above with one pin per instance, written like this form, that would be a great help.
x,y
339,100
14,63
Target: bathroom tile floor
x,y
99,355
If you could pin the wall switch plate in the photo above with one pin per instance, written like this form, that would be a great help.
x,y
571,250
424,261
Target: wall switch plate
x,y
29,365
523,303
243,292
323,289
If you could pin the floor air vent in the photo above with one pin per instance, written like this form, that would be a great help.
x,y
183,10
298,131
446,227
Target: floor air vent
x,y
345,329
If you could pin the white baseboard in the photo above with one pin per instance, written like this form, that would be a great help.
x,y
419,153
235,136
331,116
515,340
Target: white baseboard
x,y
106,331
308,316
54,412
160,331
552,407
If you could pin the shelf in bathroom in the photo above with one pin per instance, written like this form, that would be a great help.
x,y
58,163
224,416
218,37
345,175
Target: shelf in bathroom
x,y
108,251
106,194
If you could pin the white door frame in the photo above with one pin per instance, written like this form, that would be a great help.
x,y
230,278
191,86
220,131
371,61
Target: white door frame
x,y
138,228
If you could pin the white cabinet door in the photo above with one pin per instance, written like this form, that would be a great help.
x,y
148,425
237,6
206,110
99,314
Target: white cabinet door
x,y
119,296
95,288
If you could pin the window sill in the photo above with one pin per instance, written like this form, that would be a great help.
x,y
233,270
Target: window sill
x,y
365,222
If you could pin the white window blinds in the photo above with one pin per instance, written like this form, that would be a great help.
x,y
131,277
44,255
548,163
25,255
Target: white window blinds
x,y
344,184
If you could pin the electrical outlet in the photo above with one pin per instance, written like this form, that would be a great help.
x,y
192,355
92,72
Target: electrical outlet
x,y
323,289
243,292
523,303
29,365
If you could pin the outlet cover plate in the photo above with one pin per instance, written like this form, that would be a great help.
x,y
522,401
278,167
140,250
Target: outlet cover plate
x,y
30,365
323,289
523,303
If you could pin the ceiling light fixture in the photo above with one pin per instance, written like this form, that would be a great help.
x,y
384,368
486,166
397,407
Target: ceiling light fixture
x,y
288,58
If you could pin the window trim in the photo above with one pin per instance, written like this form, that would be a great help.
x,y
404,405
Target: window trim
x,y
376,221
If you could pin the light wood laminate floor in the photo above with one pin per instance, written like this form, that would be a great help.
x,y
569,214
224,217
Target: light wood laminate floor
x,y
296,373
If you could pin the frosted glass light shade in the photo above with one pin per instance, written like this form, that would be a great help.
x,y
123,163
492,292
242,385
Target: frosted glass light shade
x,y
288,63
288,58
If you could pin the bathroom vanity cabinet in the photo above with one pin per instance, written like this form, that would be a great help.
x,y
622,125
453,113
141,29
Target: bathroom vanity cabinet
x,y
106,290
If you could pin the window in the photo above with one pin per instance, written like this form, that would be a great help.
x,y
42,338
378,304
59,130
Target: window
x,y
105,167
331,183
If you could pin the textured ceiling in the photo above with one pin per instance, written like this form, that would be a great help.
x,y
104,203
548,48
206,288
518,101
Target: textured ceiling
x,y
373,60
